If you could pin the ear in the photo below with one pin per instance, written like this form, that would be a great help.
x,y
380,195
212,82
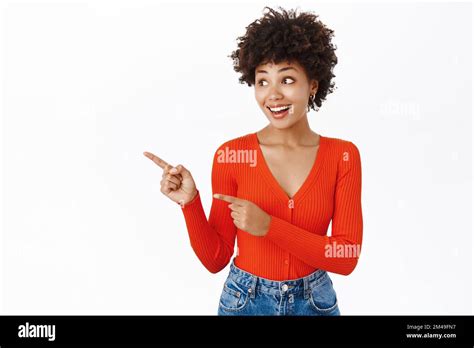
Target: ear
x,y
314,86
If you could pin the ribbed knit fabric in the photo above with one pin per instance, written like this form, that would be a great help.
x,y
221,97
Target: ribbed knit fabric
x,y
296,243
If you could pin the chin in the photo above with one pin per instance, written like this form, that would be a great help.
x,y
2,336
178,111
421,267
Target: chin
x,y
281,125
287,122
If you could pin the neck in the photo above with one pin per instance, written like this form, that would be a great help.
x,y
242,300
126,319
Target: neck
x,y
297,134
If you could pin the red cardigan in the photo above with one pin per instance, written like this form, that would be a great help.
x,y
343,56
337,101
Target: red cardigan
x,y
296,243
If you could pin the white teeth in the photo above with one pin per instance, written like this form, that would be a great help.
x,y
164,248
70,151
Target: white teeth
x,y
280,108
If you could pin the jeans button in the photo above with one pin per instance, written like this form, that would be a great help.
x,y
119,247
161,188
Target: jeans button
x,y
284,287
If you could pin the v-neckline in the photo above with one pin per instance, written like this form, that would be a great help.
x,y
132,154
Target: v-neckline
x,y
273,182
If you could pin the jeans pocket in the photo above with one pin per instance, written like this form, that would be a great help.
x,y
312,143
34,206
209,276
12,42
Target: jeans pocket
x,y
323,297
234,296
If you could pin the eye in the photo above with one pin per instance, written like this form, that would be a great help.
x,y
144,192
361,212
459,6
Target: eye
x,y
260,82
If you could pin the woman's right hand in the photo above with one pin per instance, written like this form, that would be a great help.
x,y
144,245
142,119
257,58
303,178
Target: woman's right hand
x,y
177,182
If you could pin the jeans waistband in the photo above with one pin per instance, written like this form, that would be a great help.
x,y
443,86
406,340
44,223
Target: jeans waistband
x,y
251,281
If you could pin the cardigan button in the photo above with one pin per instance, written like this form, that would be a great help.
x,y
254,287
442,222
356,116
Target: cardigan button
x,y
286,262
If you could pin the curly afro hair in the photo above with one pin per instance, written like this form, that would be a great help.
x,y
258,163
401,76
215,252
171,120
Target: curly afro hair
x,y
288,37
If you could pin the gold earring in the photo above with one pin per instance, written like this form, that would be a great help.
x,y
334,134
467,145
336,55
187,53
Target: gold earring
x,y
312,96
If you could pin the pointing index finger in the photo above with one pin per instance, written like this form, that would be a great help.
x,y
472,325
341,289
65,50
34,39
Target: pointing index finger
x,y
161,163
229,199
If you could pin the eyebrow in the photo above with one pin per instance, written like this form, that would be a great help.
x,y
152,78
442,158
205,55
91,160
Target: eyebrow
x,y
282,69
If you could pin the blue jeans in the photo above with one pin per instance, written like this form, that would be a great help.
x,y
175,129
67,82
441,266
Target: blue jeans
x,y
246,294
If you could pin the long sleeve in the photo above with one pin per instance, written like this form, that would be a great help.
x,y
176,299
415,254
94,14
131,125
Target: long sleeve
x,y
213,241
338,253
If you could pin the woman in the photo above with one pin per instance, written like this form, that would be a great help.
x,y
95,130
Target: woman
x,y
276,190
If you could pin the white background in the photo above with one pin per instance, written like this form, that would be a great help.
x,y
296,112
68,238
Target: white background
x,y
88,86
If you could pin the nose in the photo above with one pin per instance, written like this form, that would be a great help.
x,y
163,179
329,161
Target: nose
x,y
274,93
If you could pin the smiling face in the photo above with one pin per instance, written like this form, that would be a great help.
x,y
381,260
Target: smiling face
x,y
282,91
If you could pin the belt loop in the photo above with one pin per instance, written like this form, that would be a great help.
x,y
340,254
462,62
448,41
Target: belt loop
x,y
307,288
253,286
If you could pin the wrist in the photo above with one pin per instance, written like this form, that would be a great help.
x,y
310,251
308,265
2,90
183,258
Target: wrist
x,y
266,227
191,198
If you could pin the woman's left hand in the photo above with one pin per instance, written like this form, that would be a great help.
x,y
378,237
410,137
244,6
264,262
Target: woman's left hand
x,y
247,216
